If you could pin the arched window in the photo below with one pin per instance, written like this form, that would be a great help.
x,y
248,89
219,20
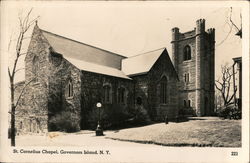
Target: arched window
x,y
121,95
185,103
36,67
107,94
69,89
189,103
163,90
187,53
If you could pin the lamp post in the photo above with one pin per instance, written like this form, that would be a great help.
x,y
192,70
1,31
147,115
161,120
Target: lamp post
x,y
99,130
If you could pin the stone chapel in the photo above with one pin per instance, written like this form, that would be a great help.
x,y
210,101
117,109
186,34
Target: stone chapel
x,y
74,76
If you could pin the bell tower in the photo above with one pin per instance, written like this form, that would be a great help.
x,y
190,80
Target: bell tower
x,y
193,59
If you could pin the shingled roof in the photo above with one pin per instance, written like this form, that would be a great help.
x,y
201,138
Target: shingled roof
x,y
141,63
97,60
91,67
81,51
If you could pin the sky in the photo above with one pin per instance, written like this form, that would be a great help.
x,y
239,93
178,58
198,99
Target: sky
x,y
126,28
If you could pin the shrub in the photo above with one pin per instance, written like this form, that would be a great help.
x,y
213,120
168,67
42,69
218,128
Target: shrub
x,y
111,116
63,121
229,112
141,115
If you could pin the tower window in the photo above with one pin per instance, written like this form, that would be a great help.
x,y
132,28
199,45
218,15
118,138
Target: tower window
x,y
185,104
69,89
187,53
163,90
107,94
189,103
186,78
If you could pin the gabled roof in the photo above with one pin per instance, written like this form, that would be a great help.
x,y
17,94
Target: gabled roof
x,y
84,52
141,63
91,67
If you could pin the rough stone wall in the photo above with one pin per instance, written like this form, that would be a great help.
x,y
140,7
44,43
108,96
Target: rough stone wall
x,y
187,90
34,112
141,89
200,67
163,67
20,109
92,92
148,88
61,72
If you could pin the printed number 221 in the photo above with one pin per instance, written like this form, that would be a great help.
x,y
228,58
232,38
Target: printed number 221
x,y
234,153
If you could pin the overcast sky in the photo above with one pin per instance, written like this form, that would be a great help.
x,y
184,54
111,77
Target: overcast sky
x,y
127,28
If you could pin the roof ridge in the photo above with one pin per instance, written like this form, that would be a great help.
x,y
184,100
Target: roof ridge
x,y
82,43
145,52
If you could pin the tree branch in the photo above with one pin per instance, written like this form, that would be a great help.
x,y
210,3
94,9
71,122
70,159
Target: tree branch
x,y
19,69
233,95
19,97
230,18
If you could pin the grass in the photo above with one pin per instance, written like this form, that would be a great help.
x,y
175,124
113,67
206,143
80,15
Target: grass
x,y
202,132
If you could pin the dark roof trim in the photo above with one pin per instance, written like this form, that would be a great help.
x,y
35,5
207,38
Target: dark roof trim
x,y
146,52
137,74
105,75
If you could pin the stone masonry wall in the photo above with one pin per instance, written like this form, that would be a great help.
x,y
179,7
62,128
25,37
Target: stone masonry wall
x,y
187,90
35,110
200,89
61,73
20,109
147,87
92,92
163,67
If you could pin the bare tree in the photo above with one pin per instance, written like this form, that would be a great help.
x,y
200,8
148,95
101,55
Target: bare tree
x,y
224,85
237,27
232,25
218,100
24,25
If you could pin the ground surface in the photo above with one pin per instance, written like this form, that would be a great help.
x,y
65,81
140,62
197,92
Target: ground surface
x,y
197,132
206,131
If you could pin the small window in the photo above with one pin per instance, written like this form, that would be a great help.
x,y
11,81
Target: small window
x,y
35,68
186,78
187,53
189,103
185,104
69,89
121,95
107,94
163,90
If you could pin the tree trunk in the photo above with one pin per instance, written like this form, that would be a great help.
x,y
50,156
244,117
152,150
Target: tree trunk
x,y
12,130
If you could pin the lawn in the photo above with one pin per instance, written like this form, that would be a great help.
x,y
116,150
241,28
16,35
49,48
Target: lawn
x,y
199,132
